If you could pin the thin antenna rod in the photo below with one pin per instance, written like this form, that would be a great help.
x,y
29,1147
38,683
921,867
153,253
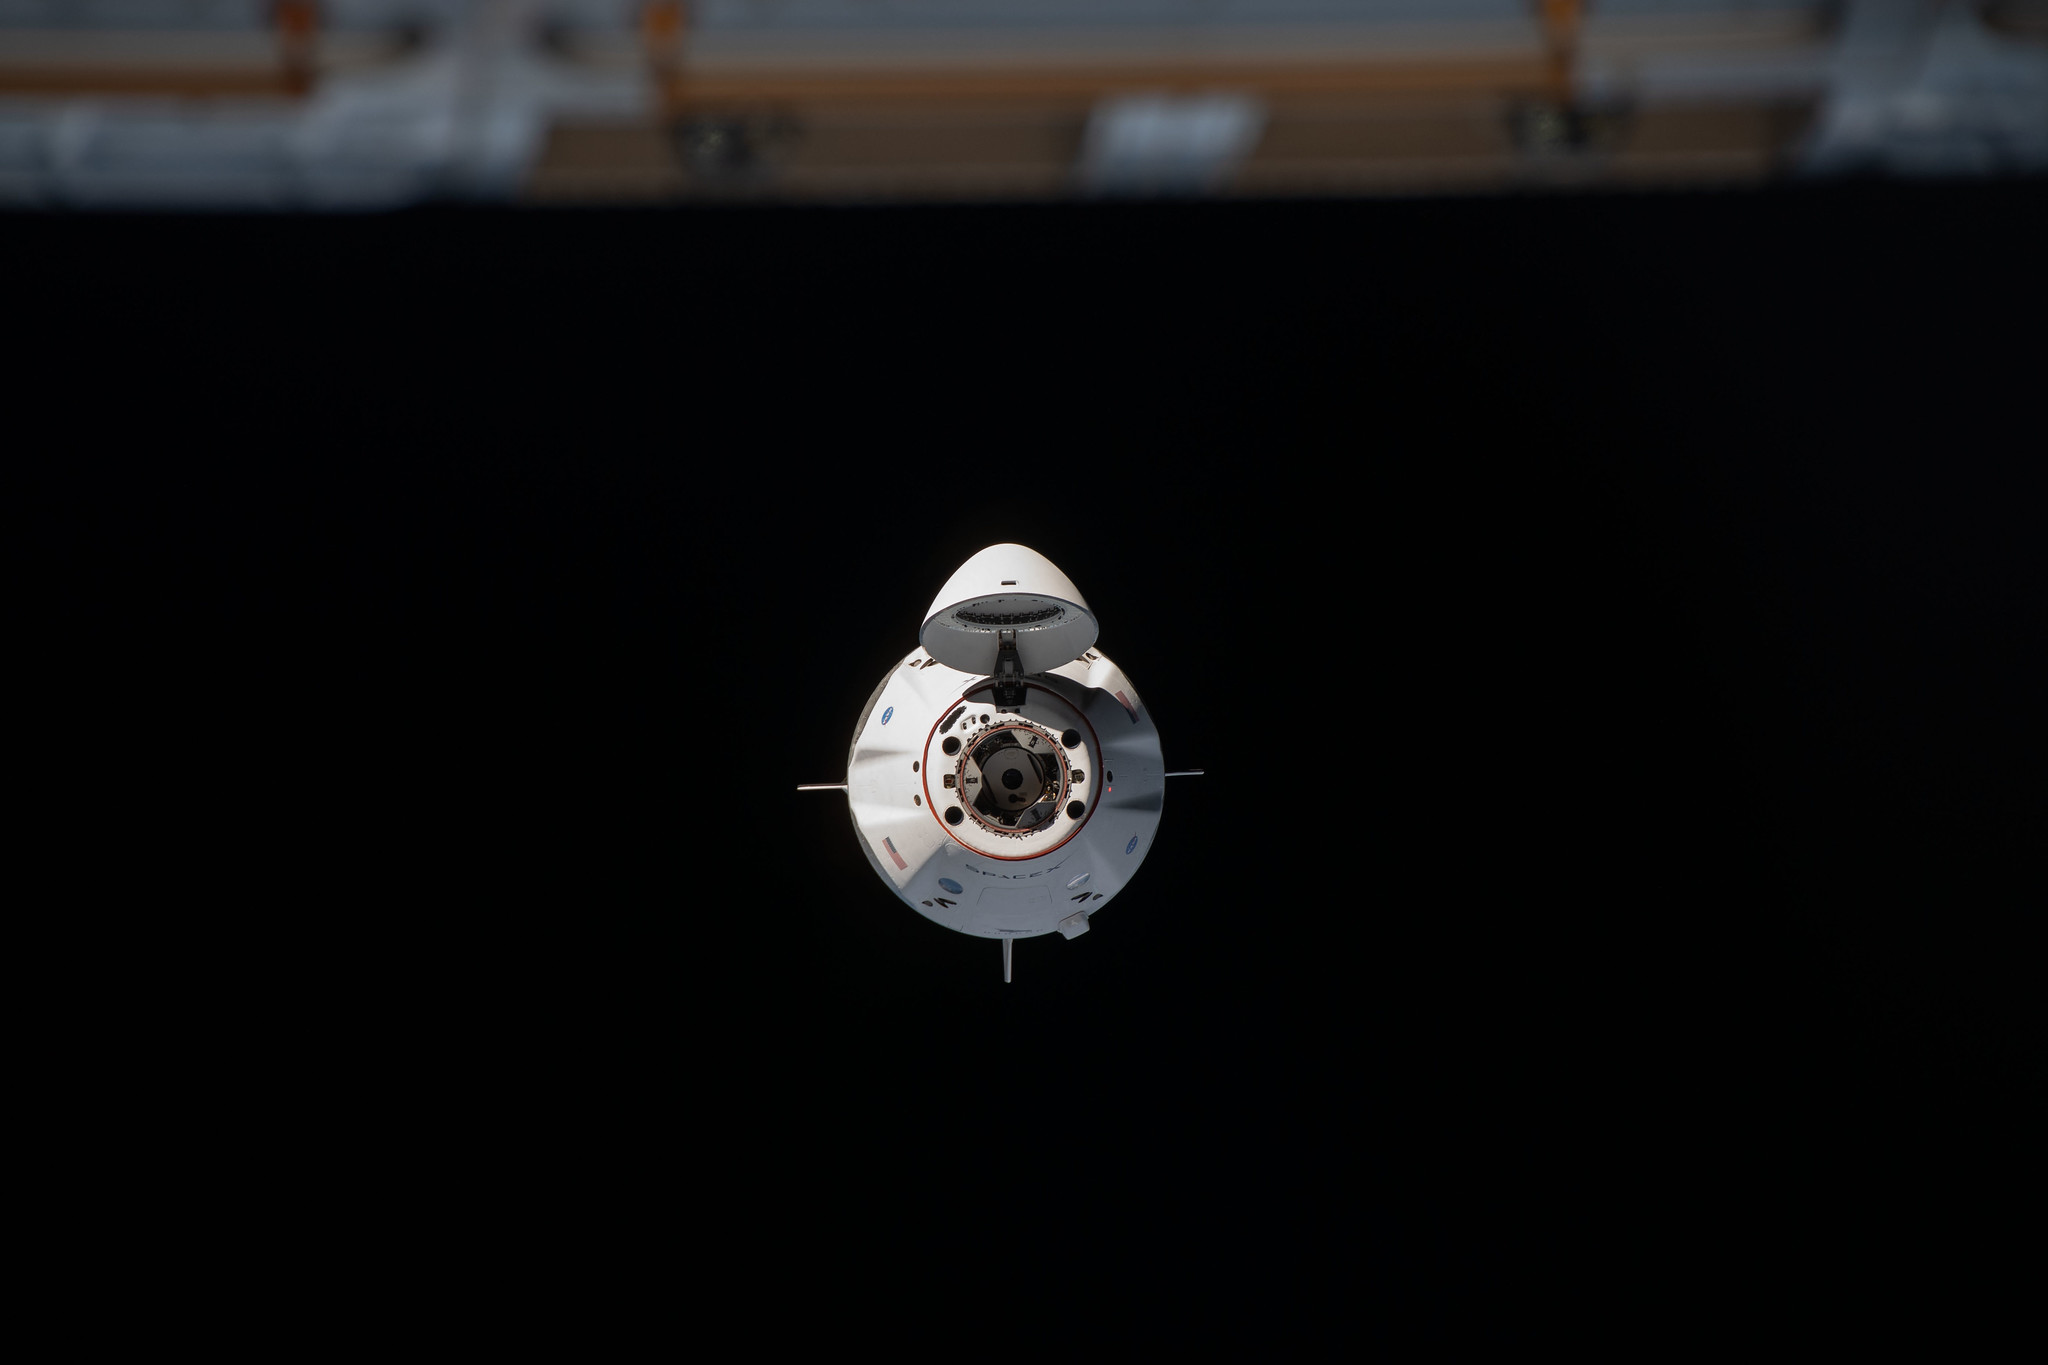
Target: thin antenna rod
x,y
821,786
1006,960
1187,772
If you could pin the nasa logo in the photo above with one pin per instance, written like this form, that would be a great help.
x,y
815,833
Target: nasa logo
x,y
888,713
1132,846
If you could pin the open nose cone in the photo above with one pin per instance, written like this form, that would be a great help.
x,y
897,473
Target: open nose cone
x,y
1008,588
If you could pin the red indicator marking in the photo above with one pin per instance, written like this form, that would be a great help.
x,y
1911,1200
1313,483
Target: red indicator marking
x,y
894,854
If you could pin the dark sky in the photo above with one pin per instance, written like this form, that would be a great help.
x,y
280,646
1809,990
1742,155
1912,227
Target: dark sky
x,y
1611,627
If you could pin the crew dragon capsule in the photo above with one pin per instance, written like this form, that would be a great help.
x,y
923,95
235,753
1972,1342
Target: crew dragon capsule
x,y
1005,778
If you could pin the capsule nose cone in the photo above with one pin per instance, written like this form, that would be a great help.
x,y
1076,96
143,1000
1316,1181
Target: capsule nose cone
x,y
1008,588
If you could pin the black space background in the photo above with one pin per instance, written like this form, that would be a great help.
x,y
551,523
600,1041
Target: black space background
x,y
1611,627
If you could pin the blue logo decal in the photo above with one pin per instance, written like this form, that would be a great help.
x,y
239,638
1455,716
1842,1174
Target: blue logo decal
x,y
950,885
888,713
1132,846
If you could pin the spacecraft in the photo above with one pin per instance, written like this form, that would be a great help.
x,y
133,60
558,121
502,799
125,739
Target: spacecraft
x,y
1005,778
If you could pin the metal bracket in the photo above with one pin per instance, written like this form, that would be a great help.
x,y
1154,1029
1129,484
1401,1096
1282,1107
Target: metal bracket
x,y
1009,674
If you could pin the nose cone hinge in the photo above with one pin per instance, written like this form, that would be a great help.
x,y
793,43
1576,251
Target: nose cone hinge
x,y
1009,675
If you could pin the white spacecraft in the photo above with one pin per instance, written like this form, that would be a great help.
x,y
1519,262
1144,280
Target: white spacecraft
x,y
1005,778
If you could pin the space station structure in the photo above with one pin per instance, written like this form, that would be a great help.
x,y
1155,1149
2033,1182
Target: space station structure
x,y
1005,778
